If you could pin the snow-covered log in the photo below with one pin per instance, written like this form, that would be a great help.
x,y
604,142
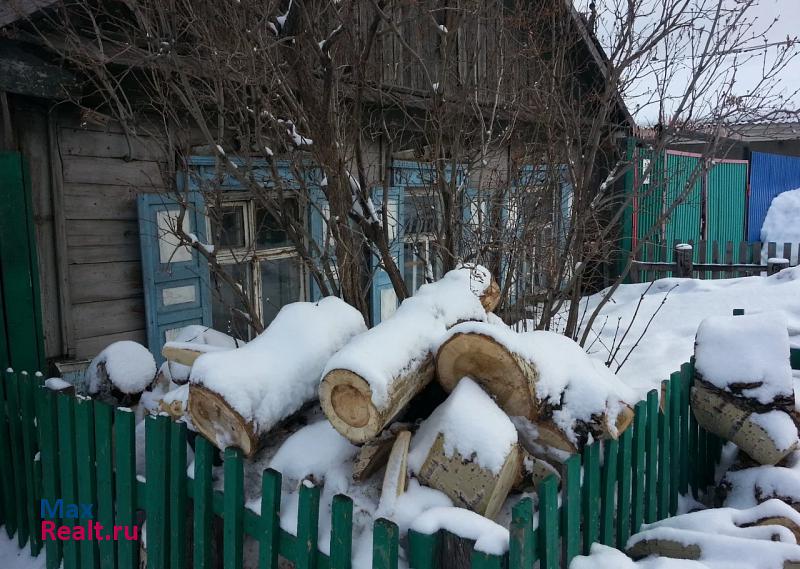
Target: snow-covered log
x,y
765,535
744,390
120,373
237,396
468,449
749,487
747,357
190,343
371,380
542,376
767,437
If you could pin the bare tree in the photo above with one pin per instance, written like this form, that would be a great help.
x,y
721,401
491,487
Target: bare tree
x,y
512,116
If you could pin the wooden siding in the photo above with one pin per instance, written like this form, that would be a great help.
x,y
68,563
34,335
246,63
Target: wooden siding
x,y
102,175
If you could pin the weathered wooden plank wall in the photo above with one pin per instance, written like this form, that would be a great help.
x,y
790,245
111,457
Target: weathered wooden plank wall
x,y
102,173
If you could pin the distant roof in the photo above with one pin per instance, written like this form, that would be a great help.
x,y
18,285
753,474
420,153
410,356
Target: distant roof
x,y
13,10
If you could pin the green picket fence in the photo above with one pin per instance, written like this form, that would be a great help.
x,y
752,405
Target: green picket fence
x,y
83,451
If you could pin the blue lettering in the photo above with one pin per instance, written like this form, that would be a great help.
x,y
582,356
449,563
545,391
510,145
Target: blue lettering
x,y
56,510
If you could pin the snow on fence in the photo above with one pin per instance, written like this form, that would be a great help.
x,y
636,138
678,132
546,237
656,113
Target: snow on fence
x,y
709,259
56,445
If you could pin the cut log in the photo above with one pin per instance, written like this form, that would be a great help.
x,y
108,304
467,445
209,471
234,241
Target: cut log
x,y
396,475
466,482
468,449
373,454
237,396
182,354
371,380
174,402
533,471
717,549
510,378
733,419
748,487
509,366
721,536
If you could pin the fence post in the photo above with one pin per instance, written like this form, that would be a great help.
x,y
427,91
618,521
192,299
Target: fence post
x,y
776,265
341,532
683,260
385,537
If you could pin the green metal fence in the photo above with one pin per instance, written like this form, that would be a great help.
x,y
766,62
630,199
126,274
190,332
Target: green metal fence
x,y
83,451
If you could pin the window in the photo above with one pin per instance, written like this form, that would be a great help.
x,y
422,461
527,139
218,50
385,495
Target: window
x,y
420,258
259,256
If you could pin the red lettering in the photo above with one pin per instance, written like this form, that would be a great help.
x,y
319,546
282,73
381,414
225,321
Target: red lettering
x,y
117,529
48,527
78,533
97,528
135,533
63,533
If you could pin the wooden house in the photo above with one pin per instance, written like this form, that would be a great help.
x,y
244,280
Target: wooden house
x,y
78,269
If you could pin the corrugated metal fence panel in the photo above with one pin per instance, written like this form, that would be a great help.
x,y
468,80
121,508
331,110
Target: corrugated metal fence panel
x,y
770,175
684,223
726,192
649,187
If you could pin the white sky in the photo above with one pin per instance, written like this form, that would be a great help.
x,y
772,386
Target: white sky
x,y
787,13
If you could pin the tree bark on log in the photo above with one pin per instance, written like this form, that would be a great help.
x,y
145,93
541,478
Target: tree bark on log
x,y
733,419
237,396
512,379
347,397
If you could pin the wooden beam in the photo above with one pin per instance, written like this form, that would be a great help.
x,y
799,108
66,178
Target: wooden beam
x,y
23,73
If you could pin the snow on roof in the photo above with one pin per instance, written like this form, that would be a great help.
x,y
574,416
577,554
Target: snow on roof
x,y
749,349
489,439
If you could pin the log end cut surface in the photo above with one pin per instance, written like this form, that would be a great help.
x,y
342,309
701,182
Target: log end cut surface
x,y
507,377
346,400
218,422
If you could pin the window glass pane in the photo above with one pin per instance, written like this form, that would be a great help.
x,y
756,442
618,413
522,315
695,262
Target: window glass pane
x,y
420,213
269,229
227,308
227,226
414,267
280,285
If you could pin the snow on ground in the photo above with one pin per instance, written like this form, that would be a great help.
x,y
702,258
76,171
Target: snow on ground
x,y
11,557
781,225
669,341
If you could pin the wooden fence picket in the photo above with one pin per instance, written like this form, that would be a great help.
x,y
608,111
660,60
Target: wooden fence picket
x,y
125,485
177,495
104,453
87,453
69,487
47,419
86,470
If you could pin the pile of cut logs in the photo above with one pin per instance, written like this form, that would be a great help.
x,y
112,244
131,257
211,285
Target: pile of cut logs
x,y
380,378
